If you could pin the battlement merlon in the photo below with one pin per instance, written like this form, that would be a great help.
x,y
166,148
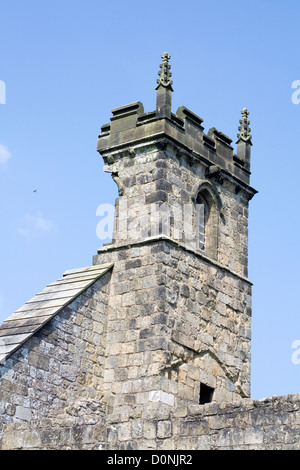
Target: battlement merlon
x,y
131,127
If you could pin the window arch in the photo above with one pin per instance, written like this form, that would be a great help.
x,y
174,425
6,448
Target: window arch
x,y
207,221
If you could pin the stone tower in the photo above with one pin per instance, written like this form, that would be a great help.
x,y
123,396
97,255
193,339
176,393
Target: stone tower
x,y
149,348
178,319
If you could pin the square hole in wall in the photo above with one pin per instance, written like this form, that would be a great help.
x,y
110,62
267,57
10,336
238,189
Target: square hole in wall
x,y
206,394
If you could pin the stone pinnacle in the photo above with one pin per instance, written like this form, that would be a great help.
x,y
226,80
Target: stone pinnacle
x,y
244,129
164,73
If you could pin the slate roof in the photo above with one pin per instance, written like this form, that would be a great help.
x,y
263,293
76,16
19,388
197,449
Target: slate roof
x,y
27,320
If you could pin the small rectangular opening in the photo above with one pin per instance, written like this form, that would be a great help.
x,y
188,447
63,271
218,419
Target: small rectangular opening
x,y
206,394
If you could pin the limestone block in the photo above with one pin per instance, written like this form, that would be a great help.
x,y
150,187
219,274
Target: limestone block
x,y
253,436
149,430
160,396
22,413
124,432
164,429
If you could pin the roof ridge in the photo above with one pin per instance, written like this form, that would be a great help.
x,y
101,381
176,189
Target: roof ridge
x,y
95,267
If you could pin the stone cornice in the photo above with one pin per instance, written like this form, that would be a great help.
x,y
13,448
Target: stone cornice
x,y
111,155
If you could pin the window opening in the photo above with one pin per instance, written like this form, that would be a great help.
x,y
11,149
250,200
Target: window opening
x,y
203,214
206,394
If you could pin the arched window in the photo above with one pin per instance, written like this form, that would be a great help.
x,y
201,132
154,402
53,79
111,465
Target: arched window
x,y
207,223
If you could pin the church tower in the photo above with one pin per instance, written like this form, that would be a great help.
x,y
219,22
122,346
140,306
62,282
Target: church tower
x,y
149,348
179,312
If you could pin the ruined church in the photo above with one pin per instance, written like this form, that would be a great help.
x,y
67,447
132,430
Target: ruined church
x,y
149,347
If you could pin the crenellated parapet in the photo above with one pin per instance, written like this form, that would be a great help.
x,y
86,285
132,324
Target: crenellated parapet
x,y
131,127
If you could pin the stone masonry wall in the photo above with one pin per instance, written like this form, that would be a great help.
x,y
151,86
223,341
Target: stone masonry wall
x,y
80,427
62,364
268,424
156,180
174,320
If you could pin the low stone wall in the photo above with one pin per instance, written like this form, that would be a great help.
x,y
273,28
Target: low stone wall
x,y
81,427
268,424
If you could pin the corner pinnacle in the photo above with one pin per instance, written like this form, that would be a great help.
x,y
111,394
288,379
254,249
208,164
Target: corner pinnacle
x,y
164,73
244,129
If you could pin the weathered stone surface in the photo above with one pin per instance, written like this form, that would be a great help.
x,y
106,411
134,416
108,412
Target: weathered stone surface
x,y
155,431
123,361
44,376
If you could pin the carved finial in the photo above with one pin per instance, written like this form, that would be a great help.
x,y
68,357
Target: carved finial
x,y
164,73
244,128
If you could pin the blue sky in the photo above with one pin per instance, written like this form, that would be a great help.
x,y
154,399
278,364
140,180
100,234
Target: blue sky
x,y
67,63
